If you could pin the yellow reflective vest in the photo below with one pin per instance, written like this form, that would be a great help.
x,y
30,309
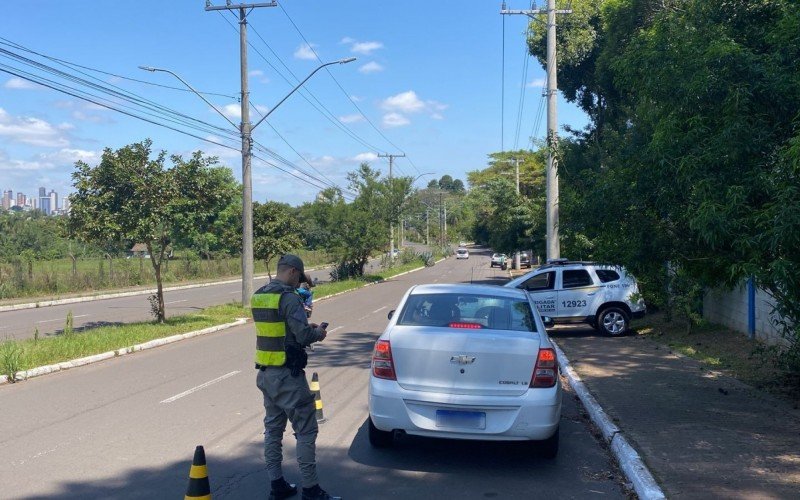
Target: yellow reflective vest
x,y
270,328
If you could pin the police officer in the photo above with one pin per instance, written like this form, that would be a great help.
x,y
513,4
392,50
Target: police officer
x,y
282,334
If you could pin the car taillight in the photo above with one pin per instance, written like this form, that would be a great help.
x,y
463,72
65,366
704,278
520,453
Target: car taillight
x,y
546,369
382,364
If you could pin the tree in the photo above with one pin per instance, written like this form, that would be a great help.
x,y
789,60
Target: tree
x,y
276,231
130,196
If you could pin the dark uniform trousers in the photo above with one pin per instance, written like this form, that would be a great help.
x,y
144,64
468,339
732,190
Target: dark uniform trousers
x,y
288,398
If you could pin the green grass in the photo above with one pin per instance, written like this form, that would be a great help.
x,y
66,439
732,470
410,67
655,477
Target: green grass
x,y
55,277
17,355
32,352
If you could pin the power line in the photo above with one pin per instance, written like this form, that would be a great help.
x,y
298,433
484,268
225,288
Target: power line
x,y
349,97
324,111
89,68
122,94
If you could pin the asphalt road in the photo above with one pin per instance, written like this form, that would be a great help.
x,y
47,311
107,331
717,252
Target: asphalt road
x,y
50,320
127,427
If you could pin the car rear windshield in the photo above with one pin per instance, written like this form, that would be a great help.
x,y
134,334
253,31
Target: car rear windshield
x,y
468,311
461,250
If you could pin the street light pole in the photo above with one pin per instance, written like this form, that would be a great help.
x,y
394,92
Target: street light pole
x,y
246,131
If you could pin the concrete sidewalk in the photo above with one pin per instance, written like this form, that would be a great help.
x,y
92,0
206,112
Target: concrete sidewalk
x,y
702,434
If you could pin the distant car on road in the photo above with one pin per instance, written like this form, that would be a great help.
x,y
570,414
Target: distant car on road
x,y
497,260
462,253
524,260
465,362
602,295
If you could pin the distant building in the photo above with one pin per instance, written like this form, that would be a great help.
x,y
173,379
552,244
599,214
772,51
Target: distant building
x,y
44,205
53,201
66,205
8,197
34,203
21,199
42,192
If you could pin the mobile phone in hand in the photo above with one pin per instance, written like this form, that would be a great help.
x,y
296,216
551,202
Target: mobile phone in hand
x,y
324,326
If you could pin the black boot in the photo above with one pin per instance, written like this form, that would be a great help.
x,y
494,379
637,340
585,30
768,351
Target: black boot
x,y
317,493
282,489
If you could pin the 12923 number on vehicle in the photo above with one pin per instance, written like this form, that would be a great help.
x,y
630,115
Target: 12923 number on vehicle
x,y
573,303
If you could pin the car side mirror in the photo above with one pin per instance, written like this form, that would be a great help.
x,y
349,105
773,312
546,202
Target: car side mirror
x,y
391,313
548,322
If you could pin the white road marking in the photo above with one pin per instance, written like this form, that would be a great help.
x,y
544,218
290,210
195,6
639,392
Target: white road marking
x,y
379,310
337,328
175,301
201,386
62,319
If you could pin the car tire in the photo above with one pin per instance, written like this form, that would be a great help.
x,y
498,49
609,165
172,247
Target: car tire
x,y
549,447
613,321
379,438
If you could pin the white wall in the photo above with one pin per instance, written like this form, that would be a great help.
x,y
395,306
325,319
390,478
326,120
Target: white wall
x,y
729,308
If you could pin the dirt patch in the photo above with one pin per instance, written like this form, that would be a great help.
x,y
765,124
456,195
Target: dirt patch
x,y
721,350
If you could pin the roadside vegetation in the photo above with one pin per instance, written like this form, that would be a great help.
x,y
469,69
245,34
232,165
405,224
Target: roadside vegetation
x,y
71,344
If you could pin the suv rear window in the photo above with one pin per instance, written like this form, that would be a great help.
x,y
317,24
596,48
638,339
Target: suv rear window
x,y
468,311
607,275
576,278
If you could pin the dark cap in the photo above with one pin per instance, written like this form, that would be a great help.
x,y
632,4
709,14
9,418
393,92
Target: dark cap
x,y
295,262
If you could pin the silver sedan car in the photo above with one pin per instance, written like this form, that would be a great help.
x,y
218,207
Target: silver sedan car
x,y
465,362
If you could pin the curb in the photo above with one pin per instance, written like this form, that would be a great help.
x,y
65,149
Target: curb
x,y
90,298
66,365
629,460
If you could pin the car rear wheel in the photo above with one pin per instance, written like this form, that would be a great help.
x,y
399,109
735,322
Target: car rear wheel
x,y
613,321
549,447
379,438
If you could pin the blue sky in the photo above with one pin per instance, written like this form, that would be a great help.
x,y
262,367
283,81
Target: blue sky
x,y
427,75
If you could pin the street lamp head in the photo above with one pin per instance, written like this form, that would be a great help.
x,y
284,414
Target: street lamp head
x,y
347,60
147,68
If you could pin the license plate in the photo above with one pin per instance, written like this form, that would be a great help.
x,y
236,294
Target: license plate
x,y
462,419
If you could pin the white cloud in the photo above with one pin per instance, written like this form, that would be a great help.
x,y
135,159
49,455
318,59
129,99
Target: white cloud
x,y
356,98
234,111
366,48
394,120
362,157
62,159
305,52
32,131
347,40
259,75
351,118
370,67
20,84
407,102
538,82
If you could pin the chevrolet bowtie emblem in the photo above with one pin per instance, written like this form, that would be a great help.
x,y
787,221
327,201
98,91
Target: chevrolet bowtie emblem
x,y
462,360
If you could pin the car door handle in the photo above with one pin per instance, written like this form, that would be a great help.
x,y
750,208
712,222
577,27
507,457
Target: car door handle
x,y
591,293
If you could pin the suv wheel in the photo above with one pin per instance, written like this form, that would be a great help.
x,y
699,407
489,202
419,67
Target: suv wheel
x,y
379,438
613,321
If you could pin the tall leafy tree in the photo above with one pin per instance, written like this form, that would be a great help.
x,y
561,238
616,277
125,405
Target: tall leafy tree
x,y
134,196
276,230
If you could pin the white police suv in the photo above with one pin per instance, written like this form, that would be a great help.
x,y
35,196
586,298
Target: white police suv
x,y
602,295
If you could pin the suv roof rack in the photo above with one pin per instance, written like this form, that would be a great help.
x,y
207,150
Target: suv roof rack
x,y
566,262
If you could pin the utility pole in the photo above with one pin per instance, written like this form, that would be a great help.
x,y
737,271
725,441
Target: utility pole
x,y
553,245
247,144
516,166
391,223
427,229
